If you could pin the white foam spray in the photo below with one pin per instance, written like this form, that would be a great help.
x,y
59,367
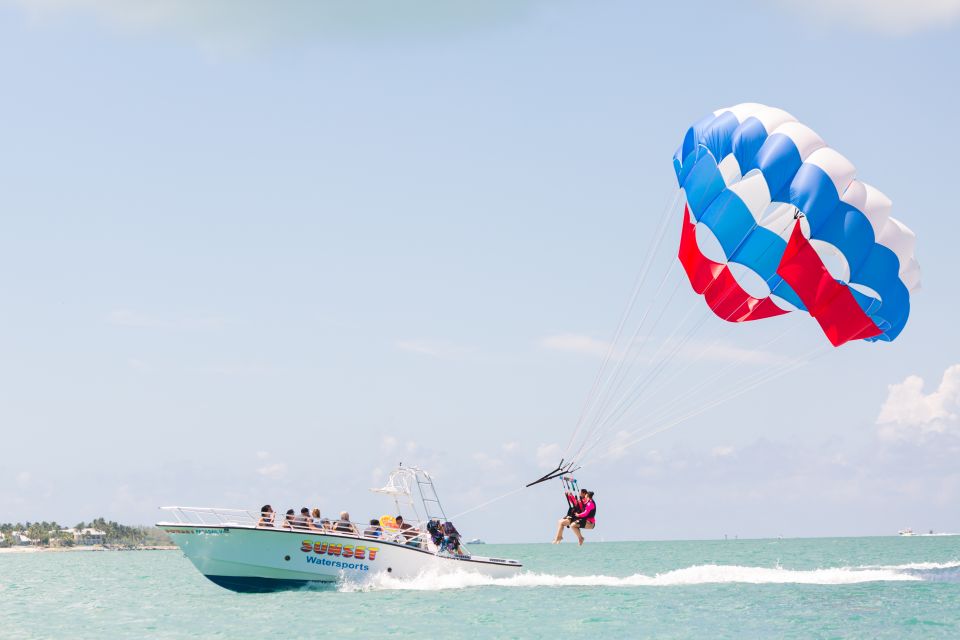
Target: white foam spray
x,y
437,580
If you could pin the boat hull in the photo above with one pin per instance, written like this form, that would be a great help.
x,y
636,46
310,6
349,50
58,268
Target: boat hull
x,y
247,559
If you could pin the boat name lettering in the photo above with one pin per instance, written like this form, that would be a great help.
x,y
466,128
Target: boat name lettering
x,y
198,531
358,566
346,550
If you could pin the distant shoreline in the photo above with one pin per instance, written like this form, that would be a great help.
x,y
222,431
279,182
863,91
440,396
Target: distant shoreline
x,y
33,549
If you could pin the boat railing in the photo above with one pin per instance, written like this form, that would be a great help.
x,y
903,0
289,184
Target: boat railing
x,y
217,517
213,516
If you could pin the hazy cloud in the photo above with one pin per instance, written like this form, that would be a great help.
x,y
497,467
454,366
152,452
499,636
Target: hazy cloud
x,y
139,365
893,17
23,479
729,353
235,370
548,455
274,471
434,348
721,352
139,320
909,413
388,444
722,451
622,441
487,461
575,343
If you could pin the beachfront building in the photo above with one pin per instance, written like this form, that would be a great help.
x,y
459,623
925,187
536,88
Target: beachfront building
x,y
86,537
20,538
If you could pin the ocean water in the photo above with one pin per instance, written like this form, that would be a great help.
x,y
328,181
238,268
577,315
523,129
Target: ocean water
x,y
883,587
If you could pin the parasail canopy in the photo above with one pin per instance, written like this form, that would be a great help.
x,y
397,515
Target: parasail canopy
x,y
765,194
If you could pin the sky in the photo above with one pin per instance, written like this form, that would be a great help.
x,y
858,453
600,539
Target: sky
x,y
263,252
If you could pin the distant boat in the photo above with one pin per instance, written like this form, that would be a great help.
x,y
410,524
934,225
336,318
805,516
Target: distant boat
x,y
476,541
910,532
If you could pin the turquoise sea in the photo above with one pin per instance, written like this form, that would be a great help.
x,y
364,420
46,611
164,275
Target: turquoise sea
x,y
883,587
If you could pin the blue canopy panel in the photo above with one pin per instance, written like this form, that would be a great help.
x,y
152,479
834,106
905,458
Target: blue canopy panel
x,y
703,183
747,140
694,135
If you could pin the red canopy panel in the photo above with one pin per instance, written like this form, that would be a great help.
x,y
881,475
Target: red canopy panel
x,y
827,300
720,289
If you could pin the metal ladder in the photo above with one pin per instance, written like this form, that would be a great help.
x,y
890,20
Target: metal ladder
x,y
428,496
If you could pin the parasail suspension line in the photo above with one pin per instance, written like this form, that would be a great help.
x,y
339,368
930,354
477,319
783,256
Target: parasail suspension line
x,y
656,241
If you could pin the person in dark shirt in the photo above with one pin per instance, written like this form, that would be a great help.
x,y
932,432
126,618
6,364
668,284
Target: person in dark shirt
x,y
343,525
302,521
408,532
374,530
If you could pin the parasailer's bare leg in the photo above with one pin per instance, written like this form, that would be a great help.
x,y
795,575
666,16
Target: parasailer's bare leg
x,y
564,522
575,527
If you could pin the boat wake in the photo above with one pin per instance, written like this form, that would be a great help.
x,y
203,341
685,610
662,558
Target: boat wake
x,y
695,575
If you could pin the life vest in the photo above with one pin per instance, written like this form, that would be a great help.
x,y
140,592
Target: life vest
x,y
593,511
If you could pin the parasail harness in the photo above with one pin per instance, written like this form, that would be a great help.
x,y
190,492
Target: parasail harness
x,y
562,469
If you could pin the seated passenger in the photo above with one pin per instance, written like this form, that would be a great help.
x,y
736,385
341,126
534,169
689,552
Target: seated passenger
x,y
374,530
302,520
451,539
266,516
314,522
408,532
343,525
436,534
288,519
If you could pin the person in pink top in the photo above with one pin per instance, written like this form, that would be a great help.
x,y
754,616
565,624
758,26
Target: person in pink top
x,y
586,519
581,513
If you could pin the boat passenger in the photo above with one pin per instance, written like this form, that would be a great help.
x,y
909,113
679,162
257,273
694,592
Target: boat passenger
x,y
266,516
451,539
343,525
374,530
302,521
288,519
585,519
314,522
436,534
408,532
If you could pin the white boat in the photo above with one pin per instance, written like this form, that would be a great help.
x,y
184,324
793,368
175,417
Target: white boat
x,y
228,547
931,533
